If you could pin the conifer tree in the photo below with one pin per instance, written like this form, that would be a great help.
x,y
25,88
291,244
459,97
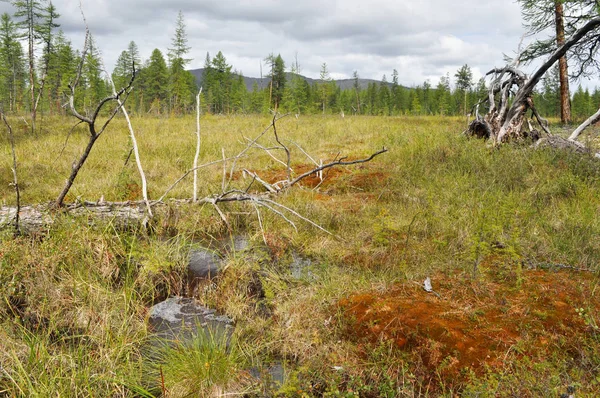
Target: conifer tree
x,y
179,82
157,78
12,65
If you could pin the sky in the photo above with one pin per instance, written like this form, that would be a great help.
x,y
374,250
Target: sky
x,y
422,40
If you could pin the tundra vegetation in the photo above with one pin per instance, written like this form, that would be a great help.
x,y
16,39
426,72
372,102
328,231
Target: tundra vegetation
x,y
507,235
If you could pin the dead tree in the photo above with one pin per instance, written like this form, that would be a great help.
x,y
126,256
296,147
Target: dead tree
x,y
94,130
11,138
511,90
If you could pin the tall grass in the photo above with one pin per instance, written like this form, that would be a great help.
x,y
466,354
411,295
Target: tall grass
x,y
74,301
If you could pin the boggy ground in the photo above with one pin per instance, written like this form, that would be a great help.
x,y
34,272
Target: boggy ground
x,y
481,325
494,228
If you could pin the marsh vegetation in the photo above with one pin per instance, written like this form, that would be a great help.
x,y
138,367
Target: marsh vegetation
x,y
508,236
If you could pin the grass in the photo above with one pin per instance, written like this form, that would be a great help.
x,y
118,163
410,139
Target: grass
x,y
492,227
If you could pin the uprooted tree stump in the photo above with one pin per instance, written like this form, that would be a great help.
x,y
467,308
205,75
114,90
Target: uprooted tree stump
x,y
510,96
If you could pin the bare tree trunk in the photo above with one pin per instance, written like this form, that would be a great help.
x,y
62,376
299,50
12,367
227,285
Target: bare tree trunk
x,y
591,120
75,168
195,195
11,137
565,98
31,55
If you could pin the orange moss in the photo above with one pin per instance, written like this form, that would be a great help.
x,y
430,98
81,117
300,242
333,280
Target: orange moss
x,y
475,325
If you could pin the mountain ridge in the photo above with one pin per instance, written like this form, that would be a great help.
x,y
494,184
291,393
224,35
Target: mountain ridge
x,y
263,83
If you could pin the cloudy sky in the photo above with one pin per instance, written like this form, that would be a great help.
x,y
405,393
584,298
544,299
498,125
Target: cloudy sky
x,y
421,39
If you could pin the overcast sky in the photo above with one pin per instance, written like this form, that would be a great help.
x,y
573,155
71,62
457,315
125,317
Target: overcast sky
x,y
421,39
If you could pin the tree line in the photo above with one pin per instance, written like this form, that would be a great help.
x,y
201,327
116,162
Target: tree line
x,y
36,79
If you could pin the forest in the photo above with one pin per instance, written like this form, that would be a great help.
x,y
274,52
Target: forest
x,y
164,86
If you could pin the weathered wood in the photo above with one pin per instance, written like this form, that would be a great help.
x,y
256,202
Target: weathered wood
x,y
511,91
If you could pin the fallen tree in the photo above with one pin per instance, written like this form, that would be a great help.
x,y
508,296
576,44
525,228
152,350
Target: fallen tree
x,y
510,94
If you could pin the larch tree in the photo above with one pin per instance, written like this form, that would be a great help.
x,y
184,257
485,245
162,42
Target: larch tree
x,y
179,81
323,85
563,18
296,87
356,87
546,15
157,79
45,33
278,80
29,14
12,64
61,71
221,83
464,82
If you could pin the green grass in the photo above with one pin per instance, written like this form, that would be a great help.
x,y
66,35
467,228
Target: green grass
x,y
74,300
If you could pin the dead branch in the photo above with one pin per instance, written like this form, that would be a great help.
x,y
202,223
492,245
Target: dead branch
x,y
133,140
188,172
340,162
591,120
285,148
256,178
251,144
94,133
11,138
197,155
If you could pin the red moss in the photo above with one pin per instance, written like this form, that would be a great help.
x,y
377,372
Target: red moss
x,y
473,326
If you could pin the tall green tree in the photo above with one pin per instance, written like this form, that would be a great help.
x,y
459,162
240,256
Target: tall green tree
x,y
297,88
356,88
384,97
562,17
96,87
61,71
464,82
540,16
179,86
157,80
278,80
12,65
324,86
29,14
442,94
221,83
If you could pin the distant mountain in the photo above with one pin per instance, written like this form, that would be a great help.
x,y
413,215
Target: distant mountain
x,y
344,84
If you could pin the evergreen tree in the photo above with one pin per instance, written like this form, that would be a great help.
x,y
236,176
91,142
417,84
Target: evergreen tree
x,y
221,83
12,66
323,85
297,89
45,33
384,97
442,93
30,14
426,98
208,83
121,73
277,80
464,82
156,81
179,82
96,88
356,87
61,71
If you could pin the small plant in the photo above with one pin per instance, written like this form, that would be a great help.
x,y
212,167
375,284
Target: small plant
x,y
588,319
205,365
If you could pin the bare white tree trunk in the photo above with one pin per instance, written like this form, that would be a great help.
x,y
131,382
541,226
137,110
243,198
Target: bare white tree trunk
x,y
591,120
136,151
195,195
